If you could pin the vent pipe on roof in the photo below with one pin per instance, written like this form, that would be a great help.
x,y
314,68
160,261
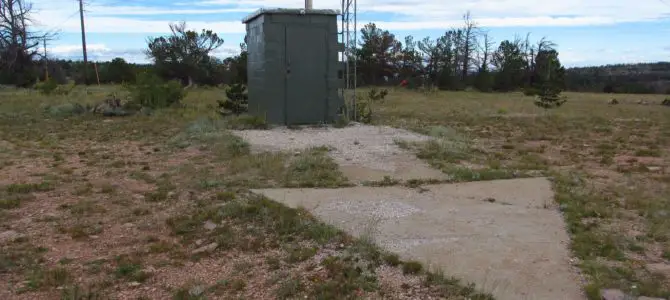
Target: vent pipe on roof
x,y
308,4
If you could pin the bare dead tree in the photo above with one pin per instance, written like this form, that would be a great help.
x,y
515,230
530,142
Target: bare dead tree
x,y
470,33
18,44
484,51
545,45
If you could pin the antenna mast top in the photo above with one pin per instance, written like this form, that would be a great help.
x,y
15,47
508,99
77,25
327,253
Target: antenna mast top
x,y
349,38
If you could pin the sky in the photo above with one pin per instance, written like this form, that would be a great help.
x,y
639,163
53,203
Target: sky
x,y
587,32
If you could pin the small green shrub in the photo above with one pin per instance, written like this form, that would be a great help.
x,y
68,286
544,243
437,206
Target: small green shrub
x,y
237,101
64,89
666,102
153,92
392,259
531,91
377,96
51,87
411,267
364,106
363,112
46,87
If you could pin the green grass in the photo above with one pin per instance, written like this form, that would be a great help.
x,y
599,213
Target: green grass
x,y
313,168
80,229
83,207
50,278
300,254
194,170
19,257
580,141
130,269
277,223
11,201
290,288
25,188
411,267
244,122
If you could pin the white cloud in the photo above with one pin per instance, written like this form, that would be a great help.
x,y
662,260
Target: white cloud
x,y
127,25
70,49
394,14
101,52
148,11
96,52
583,57
109,16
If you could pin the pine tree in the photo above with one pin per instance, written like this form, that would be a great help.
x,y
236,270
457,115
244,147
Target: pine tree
x,y
549,80
237,102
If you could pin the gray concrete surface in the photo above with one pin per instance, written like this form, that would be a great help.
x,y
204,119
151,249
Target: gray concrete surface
x,y
363,152
514,247
399,166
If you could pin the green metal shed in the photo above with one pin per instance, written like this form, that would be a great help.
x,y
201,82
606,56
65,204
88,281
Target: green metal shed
x,y
294,74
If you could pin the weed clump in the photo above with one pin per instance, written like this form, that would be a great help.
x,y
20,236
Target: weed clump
x,y
51,87
150,91
364,106
244,122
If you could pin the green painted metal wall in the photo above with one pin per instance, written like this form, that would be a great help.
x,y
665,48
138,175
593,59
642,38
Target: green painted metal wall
x,y
293,66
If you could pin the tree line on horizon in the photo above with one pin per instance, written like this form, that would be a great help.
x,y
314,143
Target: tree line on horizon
x,y
462,58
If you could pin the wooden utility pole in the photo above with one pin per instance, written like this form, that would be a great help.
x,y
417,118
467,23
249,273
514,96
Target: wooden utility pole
x,y
46,61
83,40
97,76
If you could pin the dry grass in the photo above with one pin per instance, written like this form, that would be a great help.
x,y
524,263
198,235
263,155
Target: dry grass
x,y
157,207
609,164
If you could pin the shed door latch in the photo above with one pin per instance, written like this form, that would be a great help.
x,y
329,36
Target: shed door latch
x,y
288,66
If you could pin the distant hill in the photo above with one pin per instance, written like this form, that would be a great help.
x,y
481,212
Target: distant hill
x,y
642,78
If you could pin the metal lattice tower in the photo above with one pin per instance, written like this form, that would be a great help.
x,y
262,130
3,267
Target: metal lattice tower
x,y
349,38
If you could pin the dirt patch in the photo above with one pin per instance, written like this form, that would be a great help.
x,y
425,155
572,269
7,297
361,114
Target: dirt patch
x,y
502,235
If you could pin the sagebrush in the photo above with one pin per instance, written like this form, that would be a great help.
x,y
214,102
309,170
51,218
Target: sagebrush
x,y
153,92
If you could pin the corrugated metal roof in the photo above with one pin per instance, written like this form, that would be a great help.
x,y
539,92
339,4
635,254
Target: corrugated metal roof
x,y
289,11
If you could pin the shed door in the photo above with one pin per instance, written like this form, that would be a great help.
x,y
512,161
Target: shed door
x,y
306,61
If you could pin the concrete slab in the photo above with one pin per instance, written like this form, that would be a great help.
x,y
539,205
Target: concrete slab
x,y
400,166
363,152
514,247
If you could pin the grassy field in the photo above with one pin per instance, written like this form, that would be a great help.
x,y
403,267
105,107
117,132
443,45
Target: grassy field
x,y
609,165
157,207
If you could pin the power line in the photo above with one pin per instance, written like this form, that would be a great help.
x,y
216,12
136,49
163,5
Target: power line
x,y
53,29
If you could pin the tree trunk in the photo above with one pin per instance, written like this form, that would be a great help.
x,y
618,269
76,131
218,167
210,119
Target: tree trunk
x,y
190,82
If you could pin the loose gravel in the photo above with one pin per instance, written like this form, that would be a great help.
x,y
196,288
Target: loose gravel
x,y
364,145
376,209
